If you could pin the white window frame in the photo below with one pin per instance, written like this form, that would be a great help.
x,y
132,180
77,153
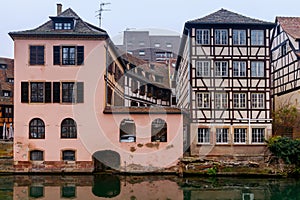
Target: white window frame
x,y
202,68
142,53
239,37
257,69
203,99
258,135
239,135
257,37
221,36
221,100
257,100
239,100
239,68
203,135
203,36
222,135
221,68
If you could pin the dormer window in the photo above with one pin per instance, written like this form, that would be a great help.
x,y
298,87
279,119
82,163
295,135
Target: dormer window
x,y
63,23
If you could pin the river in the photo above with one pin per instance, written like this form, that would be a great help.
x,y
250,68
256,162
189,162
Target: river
x,y
89,187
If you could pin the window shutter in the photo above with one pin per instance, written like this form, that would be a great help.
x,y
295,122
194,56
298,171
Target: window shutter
x,y
56,92
24,92
32,57
56,55
80,55
48,92
40,55
80,92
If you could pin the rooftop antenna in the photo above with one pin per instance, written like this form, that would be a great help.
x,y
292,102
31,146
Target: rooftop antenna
x,y
100,12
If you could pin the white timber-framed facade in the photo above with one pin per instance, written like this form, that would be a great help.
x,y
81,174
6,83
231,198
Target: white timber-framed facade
x,y
224,81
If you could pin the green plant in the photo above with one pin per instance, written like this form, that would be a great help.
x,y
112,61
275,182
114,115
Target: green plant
x,y
212,171
286,149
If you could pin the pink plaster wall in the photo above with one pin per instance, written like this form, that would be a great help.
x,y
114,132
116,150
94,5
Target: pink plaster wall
x,y
96,131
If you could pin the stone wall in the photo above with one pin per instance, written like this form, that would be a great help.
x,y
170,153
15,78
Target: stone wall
x,y
6,150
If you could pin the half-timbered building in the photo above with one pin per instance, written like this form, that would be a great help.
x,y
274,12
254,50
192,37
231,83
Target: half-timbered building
x,y
285,59
223,80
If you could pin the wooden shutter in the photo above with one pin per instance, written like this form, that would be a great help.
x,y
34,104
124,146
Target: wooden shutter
x,y
56,55
24,92
80,55
48,92
56,92
80,92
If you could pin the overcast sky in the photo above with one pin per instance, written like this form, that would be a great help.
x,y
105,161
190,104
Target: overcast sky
x,y
18,15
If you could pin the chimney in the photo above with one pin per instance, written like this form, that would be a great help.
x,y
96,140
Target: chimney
x,y
59,8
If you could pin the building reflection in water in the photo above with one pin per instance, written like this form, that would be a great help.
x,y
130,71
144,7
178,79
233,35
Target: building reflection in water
x,y
147,187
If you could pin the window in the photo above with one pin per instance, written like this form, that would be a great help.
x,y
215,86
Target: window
x,y
36,155
156,45
240,135
142,53
257,69
58,26
257,37
134,86
284,49
3,66
239,100
10,80
221,36
68,128
68,155
67,26
63,25
221,69
203,135
68,191
36,92
258,135
71,92
239,68
257,100
202,36
159,130
7,111
68,55
202,68
36,129
222,135
169,45
239,37
203,100
127,131
36,55
221,100
6,93
36,191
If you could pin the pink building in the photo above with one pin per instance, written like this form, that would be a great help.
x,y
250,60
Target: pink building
x,y
62,121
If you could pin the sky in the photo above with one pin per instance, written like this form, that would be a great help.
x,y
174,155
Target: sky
x,y
19,15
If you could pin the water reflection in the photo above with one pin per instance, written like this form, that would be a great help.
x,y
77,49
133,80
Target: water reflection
x,y
144,187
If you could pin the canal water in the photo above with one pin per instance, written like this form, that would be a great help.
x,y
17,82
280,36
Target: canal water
x,y
86,187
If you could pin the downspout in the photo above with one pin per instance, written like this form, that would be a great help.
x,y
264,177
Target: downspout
x,y
106,67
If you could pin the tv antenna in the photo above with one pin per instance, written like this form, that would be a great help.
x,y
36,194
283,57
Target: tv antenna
x,y
100,12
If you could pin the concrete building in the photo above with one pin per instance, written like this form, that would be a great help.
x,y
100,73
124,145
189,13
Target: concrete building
x,y
69,113
224,81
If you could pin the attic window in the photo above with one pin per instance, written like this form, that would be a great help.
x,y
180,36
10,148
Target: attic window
x,y
63,26
3,66
63,23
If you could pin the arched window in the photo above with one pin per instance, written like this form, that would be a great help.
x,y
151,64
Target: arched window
x,y
36,129
68,128
36,155
127,131
159,130
68,155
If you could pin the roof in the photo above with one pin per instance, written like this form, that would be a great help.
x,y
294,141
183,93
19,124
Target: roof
x,y
224,16
291,25
81,28
4,84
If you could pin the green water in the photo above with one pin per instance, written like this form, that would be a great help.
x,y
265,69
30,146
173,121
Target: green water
x,y
145,187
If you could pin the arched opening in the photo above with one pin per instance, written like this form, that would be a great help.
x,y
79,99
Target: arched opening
x,y
68,128
159,130
36,129
106,160
106,186
127,131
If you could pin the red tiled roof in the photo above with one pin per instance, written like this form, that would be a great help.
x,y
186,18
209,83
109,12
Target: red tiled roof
x,y
291,25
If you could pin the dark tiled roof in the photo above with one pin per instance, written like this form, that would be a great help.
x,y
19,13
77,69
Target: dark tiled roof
x,y
227,17
142,110
81,28
291,25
